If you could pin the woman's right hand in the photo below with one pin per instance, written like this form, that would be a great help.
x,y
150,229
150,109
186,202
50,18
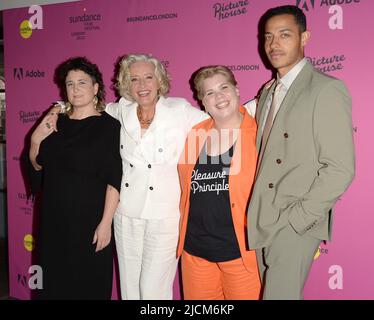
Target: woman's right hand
x,y
42,131
46,126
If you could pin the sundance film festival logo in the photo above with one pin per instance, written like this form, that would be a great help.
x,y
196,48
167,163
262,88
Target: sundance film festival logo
x,y
224,10
89,22
85,18
20,74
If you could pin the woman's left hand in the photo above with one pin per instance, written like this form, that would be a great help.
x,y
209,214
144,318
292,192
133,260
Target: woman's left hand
x,y
102,236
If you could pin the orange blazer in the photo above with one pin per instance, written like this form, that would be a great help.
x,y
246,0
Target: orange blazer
x,y
240,182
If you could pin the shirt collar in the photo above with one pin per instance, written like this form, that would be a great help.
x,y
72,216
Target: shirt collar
x,y
291,75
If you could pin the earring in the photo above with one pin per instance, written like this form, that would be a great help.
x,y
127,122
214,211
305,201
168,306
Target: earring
x,y
95,101
68,106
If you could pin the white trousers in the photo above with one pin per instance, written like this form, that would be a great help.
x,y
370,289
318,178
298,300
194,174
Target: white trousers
x,y
147,260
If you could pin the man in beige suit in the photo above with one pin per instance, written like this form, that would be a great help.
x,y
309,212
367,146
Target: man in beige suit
x,y
306,158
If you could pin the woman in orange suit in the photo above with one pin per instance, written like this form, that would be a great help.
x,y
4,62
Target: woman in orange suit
x,y
216,174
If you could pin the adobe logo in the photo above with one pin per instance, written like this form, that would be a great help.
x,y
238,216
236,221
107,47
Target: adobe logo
x,y
305,4
18,73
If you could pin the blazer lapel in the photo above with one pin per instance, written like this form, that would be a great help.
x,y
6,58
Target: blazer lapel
x,y
260,115
299,84
130,121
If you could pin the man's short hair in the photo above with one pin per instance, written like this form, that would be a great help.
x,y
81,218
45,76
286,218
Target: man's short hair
x,y
289,9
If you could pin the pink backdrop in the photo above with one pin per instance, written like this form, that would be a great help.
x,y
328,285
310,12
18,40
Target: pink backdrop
x,y
186,35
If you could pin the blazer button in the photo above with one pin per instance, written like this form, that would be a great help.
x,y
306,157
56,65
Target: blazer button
x,y
121,146
233,205
131,165
285,135
149,166
279,161
126,184
150,188
160,150
271,186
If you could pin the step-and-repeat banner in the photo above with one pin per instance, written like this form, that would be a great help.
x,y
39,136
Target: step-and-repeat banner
x,y
186,35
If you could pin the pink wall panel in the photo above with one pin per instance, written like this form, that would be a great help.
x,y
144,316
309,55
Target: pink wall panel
x,y
186,35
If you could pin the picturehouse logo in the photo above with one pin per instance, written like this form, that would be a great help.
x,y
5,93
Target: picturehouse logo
x,y
224,10
19,73
29,116
26,203
328,63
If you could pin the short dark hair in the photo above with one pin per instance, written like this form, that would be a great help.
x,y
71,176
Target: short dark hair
x,y
82,64
289,9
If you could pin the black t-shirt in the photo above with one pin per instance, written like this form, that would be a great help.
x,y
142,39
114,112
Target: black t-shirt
x,y
210,230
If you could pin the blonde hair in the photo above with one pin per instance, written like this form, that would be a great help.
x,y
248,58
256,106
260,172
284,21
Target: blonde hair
x,y
208,72
123,77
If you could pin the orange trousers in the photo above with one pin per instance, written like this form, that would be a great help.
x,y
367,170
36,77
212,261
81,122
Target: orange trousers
x,y
229,280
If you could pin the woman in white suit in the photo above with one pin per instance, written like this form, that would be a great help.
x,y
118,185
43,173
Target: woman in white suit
x,y
146,224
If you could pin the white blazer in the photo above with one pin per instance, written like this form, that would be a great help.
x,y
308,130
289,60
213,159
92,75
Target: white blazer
x,y
150,184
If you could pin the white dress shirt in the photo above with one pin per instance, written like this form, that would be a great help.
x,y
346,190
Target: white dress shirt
x,y
286,81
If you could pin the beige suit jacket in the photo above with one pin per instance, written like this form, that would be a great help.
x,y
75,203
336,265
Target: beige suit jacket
x,y
308,161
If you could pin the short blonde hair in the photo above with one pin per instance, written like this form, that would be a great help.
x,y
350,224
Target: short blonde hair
x,y
123,77
208,72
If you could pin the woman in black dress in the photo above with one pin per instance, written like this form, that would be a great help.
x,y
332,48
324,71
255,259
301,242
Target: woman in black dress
x,y
81,171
